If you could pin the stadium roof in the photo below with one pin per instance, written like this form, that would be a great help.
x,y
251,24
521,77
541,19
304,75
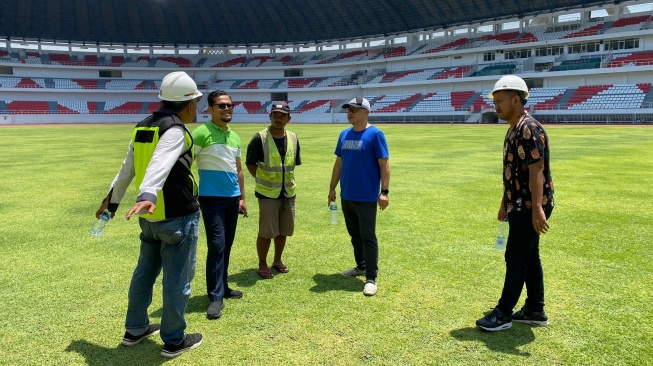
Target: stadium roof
x,y
249,22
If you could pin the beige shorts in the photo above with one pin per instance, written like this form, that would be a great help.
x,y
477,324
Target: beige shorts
x,y
276,217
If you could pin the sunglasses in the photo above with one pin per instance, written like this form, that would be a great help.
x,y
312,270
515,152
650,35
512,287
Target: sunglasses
x,y
223,106
352,109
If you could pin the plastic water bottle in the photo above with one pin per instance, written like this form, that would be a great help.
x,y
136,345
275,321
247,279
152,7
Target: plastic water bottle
x,y
333,208
502,235
99,225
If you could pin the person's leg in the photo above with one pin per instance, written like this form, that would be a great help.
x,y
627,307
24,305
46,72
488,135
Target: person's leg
x,y
262,248
268,228
279,245
367,224
178,251
213,215
143,278
353,228
286,229
522,240
230,224
535,279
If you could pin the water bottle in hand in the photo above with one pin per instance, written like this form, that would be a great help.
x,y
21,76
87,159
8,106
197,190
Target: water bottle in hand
x,y
502,235
333,208
99,225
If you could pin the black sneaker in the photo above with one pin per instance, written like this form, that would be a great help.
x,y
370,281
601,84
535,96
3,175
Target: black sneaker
x,y
537,318
494,321
130,340
233,294
191,341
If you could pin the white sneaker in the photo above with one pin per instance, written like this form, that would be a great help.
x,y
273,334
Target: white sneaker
x,y
353,272
370,288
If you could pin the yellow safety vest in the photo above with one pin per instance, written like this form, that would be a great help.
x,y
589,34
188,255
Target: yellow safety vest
x,y
273,173
179,194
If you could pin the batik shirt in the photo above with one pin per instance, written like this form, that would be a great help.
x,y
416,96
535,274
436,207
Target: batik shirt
x,y
525,144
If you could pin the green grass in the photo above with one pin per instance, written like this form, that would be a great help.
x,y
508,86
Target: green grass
x,y
63,293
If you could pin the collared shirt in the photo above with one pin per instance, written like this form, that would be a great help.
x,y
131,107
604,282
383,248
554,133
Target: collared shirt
x,y
217,152
525,144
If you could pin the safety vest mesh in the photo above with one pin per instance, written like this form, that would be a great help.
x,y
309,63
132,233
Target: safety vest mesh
x,y
273,172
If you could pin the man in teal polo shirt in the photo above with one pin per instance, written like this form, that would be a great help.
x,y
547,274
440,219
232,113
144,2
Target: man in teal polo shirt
x,y
221,196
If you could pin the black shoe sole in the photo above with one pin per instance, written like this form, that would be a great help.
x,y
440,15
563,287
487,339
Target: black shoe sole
x,y
174,354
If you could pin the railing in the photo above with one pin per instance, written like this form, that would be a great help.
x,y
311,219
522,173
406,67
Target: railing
x,y
80,87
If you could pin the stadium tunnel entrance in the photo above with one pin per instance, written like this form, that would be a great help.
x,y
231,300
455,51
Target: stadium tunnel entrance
x,y
490,117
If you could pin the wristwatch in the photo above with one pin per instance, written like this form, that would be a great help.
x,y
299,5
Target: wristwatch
x,y
385,191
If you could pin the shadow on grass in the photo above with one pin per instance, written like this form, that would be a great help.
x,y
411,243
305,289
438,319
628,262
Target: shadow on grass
x,y
200,302
336,282
507,341
145,353
247,278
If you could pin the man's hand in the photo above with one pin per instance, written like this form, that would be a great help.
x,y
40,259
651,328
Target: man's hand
x,y
540,224
331,197
141,207
103,206
502,215
383,201
242,208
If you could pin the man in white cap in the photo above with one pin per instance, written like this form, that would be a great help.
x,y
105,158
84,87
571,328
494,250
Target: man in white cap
x,y
159,157
526,204
363,169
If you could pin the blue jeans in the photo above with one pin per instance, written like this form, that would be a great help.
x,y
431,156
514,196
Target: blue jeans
x,y
220,215
360,219
523,265
170,245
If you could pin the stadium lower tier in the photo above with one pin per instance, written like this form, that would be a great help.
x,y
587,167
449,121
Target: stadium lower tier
x,y
592,97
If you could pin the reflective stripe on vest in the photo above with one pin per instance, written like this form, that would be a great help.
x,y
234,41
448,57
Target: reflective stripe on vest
x,y
273,172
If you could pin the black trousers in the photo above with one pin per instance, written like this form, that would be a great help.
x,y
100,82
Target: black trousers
x,y
523,265
360,219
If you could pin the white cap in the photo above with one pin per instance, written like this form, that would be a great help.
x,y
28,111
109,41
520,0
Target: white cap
x,y
510,82
359,102
178,87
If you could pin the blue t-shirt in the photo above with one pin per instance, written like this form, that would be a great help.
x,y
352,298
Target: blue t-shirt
x,y
360,152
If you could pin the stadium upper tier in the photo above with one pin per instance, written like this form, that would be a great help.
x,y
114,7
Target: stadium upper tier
x,y
330,57
376,76
251,22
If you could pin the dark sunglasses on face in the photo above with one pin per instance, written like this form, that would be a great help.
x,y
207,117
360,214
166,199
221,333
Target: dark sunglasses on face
x,y
224,106
352,109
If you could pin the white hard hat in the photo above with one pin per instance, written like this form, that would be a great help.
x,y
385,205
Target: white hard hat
x,y
511,82
178,87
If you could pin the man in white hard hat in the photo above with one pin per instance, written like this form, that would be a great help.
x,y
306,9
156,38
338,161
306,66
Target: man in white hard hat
x,y
362,168
159,157
526,204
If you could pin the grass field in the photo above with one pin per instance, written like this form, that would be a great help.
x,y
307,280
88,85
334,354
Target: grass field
x,y
63,293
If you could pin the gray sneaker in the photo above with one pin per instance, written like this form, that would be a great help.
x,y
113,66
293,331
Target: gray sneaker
x,y
215,310
354,272
537,318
